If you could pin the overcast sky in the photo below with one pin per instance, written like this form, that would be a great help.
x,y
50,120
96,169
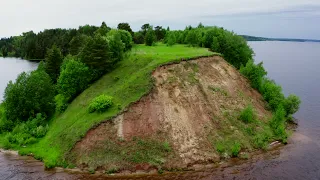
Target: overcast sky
x,y
268,18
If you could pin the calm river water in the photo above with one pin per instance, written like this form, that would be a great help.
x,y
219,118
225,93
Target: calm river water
x,y
10,68
294,65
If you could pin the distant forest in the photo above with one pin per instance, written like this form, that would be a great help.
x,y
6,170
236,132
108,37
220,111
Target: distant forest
x,y
254,38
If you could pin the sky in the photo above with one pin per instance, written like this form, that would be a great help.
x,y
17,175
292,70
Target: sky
x,y
266,18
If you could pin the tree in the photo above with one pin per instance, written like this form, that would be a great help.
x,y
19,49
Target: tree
x,y
96,54
74,78
103,30
171,40
77,43
138,38
116,45
192,38
32,93
4,51
53,62
145,28
160,32
215,46
125,37
126,27
200,25
150,37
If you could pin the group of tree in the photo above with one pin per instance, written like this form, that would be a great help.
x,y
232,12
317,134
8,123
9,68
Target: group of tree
x,y
234,48
59,79
149,35
31,45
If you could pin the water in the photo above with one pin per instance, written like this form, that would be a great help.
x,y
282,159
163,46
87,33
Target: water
x,y
295,66
10,68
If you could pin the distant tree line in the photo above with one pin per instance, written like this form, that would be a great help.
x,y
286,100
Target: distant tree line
x,y
32,45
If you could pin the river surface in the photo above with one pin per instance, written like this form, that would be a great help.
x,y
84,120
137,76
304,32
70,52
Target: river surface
x,y
10,68
293,65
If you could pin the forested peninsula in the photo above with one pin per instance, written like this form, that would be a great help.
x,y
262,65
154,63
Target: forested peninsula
x,y
113,100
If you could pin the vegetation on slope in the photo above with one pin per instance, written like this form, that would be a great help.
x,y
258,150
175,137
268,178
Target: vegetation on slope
x,y
101,62
126,84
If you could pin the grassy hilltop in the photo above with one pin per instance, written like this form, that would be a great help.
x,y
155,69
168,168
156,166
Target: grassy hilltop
x,y
92,74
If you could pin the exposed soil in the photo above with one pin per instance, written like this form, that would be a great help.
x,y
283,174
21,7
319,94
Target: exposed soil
x,y
188,101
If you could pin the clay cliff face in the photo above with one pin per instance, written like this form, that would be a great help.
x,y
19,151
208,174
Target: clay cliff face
x,y
187,108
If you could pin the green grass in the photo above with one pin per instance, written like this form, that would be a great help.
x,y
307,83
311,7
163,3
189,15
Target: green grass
x,y
126,84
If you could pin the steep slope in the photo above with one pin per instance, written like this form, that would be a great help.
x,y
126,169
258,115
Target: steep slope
x,y
190,117
130,80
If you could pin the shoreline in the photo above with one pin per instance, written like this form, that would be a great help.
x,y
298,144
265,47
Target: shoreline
x,y
255,156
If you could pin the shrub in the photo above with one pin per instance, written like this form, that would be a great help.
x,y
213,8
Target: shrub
x,y
6,144
235,149
166,146
41,131
255,73
272,93
261,140
74,78
32,93
61,103
100,103
291,104
247,115
277,124
220,147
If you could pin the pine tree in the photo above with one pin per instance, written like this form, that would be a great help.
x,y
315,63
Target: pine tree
x,y
96,54
53,62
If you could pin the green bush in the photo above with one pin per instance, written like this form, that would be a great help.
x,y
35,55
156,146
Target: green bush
x,y
292,104
277,124
235,149
220,147
41,131
27,132
272,93
247,115
261,140
61,103
101,103
255,73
